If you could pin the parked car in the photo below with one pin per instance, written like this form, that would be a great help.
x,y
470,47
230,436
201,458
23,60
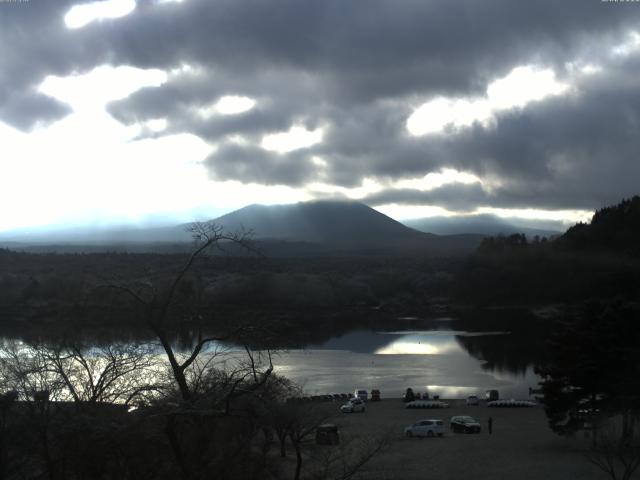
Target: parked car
x,y
464,424
473,400
408,395
375,395
355,405
327,434
361,394
425,428
492,395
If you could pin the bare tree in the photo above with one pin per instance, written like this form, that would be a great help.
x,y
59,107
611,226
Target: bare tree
x,y
116,373
109,374
26,370
209,384
616,448
161,306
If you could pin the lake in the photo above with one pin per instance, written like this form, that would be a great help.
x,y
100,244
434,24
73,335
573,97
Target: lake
x,y
429,360
445,356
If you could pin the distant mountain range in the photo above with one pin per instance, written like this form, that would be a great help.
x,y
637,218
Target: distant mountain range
x,y
485,224
309,228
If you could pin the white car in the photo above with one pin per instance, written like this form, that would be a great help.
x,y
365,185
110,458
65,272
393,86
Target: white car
x,y
361,394
355,405
425,428
473,400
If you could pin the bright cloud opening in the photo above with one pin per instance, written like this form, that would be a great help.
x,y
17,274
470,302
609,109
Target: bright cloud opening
x,y
156,124
101,85
231,105
438,179
520,87
629,47
295,139
523,85
81,15
101,174
98,173
566,216
367,187
408,212
228,105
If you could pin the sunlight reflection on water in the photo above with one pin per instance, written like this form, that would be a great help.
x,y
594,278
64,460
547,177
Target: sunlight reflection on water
x,y
426,361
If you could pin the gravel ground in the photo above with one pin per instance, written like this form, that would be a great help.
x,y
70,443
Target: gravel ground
x,y
521,447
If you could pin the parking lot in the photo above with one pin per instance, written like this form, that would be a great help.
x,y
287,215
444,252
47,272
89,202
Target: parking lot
x,y
521,447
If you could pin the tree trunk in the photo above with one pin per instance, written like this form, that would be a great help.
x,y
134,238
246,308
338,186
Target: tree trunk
x,y
296,445
177,449
178,372
283,447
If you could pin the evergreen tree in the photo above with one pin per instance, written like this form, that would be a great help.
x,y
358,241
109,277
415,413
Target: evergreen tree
x,y
593,368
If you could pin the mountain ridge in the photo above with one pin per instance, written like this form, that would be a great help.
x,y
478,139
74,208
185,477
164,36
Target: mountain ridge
x,y
484,224
317,227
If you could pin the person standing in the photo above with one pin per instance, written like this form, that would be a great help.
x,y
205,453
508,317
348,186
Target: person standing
x,y
490,422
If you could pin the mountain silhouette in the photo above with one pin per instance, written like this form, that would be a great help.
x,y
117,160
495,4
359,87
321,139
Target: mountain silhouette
x,y
339,225
308,228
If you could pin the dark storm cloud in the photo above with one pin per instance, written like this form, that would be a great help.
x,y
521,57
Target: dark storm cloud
x,y
282,98
466,198
452,197
25,109
254,164
578,152
357,68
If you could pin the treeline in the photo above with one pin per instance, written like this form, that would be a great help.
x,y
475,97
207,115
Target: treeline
x,y
598,260
50,289
612,228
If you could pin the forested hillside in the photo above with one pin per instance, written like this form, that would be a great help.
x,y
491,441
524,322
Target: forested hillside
x,y
590,261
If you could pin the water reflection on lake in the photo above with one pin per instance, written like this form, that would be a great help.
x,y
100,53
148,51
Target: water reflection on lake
x,y
439,356
433,361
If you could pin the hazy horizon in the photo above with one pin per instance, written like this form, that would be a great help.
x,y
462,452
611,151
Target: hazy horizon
x,y
107,227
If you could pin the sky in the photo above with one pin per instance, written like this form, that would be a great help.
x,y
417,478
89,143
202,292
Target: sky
x,y
125,111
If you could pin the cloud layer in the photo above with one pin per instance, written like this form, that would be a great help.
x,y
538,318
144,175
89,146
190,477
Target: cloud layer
x,y
356,71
